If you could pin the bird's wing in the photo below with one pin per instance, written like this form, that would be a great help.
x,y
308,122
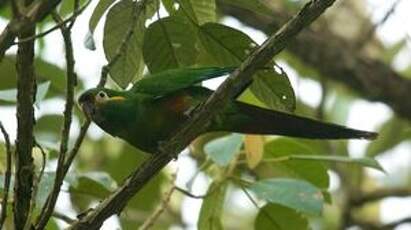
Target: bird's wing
x,y
176,79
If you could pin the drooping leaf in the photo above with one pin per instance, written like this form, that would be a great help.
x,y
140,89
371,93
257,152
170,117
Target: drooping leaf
x,y
296,194
200,11
229,47
169,43
223,150
212,207
276,217
314,172
391,133
254,149
98,12
129,66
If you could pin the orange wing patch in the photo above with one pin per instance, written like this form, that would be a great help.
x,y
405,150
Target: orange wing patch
x,y
179,103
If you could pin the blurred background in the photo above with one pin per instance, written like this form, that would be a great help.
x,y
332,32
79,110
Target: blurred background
x,y
331,68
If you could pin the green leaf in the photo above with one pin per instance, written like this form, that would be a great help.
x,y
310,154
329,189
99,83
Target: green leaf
x,y
47,130
170,6
212,207
276,217
314,172
97,184
98,12
200,11
129,66
391,133
363,161
169,43
296,194
101,178
10,95
226,46
255,6
67,6
223,150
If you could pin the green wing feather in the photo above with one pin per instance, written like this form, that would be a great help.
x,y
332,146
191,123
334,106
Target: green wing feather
x,y
176,79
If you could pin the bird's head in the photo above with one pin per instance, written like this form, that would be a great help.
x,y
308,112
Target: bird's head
x,y
93,99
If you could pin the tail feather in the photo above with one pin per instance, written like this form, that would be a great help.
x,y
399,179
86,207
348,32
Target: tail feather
x,y
268,122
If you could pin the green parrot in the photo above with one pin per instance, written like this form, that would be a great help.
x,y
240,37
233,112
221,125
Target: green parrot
x,y
154,108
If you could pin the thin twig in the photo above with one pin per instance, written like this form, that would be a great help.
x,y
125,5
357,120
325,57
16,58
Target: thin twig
x,y
63,217
189,194
34,12
7,176
362,41
48,207
58,25
149,222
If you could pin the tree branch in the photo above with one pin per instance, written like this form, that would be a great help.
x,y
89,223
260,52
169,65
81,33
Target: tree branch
x,y
36,12
380,194
192,128
26,91
333,57
7,176
71,79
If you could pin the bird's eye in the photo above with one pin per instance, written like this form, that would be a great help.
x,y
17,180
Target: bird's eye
x,y
101,96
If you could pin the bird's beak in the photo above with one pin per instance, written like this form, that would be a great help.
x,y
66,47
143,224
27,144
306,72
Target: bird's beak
x,y
88,108
86,103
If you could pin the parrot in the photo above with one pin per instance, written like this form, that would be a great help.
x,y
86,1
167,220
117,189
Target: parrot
x,y
155,107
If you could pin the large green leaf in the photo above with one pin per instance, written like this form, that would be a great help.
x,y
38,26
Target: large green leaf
x,y
314,172
200,11
223,150
45,71
212,207
169,43
296,194
129,66
391,133
276,217
229,47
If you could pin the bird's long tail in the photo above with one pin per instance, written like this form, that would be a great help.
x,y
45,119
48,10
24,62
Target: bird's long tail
x,y
255,120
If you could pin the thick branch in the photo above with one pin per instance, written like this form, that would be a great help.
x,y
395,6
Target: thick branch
x,y
381,194
26,91
231,87
35,12
333,57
